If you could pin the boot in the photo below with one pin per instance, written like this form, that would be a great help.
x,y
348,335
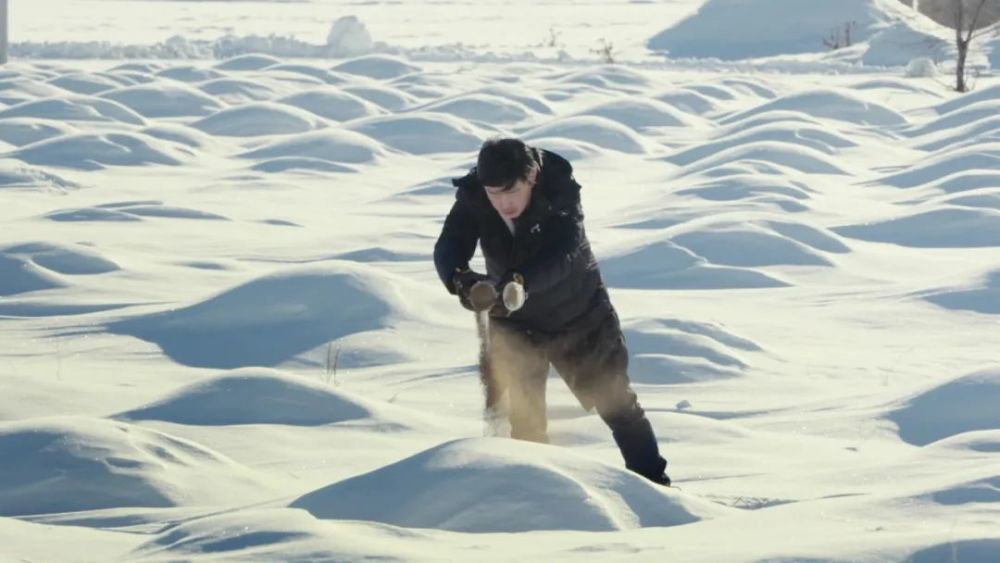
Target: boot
x,y
635,438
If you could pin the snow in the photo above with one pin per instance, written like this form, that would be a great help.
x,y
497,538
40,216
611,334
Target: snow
x,y
889,34
224,338
161,100
69,464
529,487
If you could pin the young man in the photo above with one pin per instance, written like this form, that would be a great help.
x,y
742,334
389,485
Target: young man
x,y
546,300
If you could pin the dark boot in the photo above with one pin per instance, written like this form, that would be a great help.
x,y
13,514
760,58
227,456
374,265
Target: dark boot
x,y
634,435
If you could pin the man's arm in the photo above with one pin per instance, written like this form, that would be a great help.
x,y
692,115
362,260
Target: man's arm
x,y
456,244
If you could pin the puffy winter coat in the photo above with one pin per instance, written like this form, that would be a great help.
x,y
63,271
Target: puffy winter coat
x,y
549,249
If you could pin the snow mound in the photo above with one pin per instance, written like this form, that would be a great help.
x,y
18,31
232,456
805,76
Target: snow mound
x,y
744,186
91,151
983,550
247,62
71,464
333,104
273,318
568,148
420,133
641,113
64,259
817,238
20,275
795,157
748,246
300,164
177,133
238,91
164,100
986,441
24,131
141,67
18,176
380,67
86,83
895,84
289,71
263,534
984,490
332,145
80,214
481,107
599,131
985,157
898,43
665,265
157,209
989,93
187,73
965,404
987,199
524,96
967,115
754,36
666,351
260,118
828,103
387,97
75,108
686,100
486,485
816,138
983,299
963,182
939,228
255,396
982,131
18,90
609,76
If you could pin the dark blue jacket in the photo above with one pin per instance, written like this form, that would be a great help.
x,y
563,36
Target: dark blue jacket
x,y
549,249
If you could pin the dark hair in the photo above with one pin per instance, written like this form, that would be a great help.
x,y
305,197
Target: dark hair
x,y
502,162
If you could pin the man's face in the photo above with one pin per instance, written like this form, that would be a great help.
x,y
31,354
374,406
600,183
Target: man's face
x,y
511,203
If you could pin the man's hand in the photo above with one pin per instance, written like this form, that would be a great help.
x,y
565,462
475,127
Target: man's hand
x,y
469,286
512,291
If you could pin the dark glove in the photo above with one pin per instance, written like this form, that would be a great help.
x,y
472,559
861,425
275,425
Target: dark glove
x,y
469,286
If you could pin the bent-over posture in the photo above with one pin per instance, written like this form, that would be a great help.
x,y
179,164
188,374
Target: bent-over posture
x,y
546,300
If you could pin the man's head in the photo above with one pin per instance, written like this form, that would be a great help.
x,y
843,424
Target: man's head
x,y
508,171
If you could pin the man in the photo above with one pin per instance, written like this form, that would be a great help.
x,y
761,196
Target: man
x,y
546,299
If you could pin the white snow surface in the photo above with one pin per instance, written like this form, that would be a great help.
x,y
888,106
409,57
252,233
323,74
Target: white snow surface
x,y
223,338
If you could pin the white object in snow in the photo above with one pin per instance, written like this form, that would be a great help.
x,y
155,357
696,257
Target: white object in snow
x,y
348,38
922,67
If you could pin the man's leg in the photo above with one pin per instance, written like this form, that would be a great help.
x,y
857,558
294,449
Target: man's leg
x,y
521,368
595,365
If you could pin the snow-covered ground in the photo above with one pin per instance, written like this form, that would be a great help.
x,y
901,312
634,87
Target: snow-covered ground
x,y
223,337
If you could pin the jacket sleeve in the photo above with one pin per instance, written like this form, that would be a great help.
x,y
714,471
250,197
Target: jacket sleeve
x,y
568,252
456,244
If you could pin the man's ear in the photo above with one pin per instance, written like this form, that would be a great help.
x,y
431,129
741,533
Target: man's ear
x,y
533,175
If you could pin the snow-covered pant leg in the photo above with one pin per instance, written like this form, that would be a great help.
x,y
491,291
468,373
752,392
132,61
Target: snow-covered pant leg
x,y
595,366
520,367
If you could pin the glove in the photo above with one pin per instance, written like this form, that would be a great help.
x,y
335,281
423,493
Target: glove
x,y
483,296
513,293
464,282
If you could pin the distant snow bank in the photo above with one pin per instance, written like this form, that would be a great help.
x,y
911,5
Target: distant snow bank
x,y
348,37
882,34
869,32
